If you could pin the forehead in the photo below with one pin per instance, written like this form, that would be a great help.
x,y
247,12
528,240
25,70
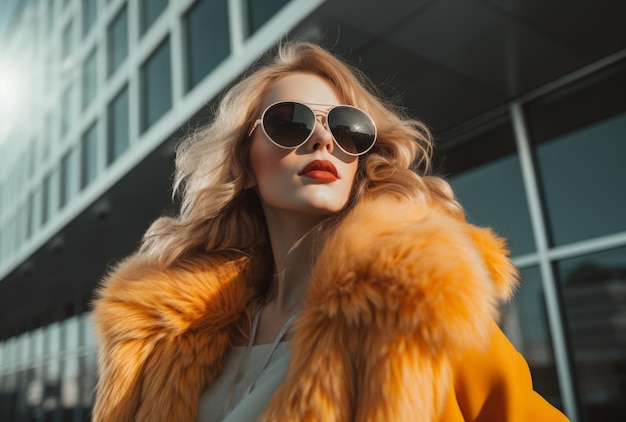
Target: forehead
x,y
302,87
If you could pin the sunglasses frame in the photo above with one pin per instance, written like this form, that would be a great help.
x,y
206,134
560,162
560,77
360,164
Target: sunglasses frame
x,y
315,113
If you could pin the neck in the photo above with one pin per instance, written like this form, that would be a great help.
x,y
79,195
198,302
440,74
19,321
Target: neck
x,y
292,257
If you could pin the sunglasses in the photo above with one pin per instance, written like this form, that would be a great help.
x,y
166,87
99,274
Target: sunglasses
x,y
290,124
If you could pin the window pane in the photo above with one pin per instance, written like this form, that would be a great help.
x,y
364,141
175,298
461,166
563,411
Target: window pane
x,y
118,126
156,84
90,13
90,79
64,182
149,11
207,38
45,199
66,110
594,291
117,41
581,155
582,173
486,176
260,11
89,156
67,40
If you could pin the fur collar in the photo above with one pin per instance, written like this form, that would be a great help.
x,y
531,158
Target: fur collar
x,y
398,292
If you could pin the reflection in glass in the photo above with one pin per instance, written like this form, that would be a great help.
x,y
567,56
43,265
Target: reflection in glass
x,y
525,322
260,11
594,296
206,37
156,86
117,41
484,171
117,119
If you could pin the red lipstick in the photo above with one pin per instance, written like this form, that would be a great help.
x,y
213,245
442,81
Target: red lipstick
x,y
322,170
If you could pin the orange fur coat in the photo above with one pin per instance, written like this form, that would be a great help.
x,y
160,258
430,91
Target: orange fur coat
x,y
397,326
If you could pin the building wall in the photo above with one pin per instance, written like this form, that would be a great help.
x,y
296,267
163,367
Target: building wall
x,y
110,79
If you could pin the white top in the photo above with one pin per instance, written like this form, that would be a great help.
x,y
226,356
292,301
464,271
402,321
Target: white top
x,y
245,407
250,378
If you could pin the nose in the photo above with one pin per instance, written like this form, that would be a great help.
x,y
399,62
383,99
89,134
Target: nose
x,y
321,137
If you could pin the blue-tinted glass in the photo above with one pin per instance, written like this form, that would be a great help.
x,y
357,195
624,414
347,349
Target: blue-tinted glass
x,y
149,11
90,79
90,14
594,296
156,84
89,156
118,137
260,11
207,38
117,40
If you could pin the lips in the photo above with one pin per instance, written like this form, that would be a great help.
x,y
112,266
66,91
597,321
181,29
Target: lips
x,y
320,170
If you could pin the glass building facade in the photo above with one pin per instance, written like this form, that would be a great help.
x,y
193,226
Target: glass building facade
x,y
111,82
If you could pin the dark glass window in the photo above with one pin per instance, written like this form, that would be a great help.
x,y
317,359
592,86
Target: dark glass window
x,y
118,136
483,168
64,181
260,11
156,85
594,296
50,16
45,199
66,109
149,11
67,40
207,38
90,78
89,156
30,210
90,14
117,41
579,136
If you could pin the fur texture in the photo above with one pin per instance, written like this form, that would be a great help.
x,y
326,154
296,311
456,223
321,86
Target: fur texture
x,y
399,292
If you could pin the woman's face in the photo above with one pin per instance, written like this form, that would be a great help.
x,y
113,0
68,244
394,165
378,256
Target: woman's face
x,y
315,178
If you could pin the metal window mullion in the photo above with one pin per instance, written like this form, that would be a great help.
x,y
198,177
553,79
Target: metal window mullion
x,y
238,25
555,319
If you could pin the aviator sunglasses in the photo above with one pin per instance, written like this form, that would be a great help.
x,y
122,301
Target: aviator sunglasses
x,y
290,124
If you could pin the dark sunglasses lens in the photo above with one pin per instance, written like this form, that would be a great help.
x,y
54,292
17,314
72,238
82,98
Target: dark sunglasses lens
x,y
353,130
288,124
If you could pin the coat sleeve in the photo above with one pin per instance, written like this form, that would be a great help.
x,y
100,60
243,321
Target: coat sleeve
x,y
494,384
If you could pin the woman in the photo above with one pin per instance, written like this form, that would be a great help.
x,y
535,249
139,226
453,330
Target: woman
x,y
315,273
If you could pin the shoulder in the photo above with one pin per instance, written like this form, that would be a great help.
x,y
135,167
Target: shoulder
x,y
426,269
142,298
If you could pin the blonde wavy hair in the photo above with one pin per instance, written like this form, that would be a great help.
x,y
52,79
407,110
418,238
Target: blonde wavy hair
x,y
218,211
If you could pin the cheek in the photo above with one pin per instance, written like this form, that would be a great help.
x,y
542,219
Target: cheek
x,y
264,160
